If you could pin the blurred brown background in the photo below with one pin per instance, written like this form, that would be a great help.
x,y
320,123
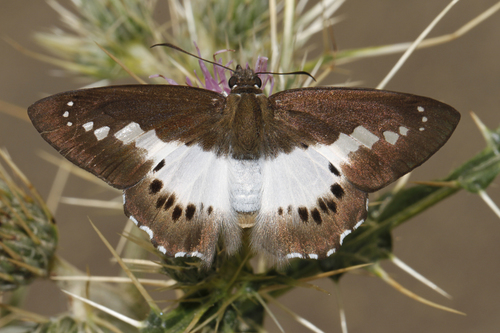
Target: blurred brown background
x,y
455,244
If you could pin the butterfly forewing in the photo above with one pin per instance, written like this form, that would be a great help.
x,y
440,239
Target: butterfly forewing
x,y
111,131
374,136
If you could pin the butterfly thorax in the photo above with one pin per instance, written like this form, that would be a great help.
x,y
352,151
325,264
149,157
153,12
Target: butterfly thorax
x,y
248,117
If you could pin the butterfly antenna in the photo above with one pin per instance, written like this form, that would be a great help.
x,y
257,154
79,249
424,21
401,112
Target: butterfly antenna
x,y
290,73
192,55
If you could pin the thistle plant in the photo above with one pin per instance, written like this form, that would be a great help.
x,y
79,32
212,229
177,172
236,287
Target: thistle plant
x,y
107,39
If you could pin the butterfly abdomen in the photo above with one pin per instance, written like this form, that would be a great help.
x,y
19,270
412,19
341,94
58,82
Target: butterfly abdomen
x,y
245,183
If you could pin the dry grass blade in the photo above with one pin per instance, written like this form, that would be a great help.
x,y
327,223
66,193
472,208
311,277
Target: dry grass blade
x,y
418,276
414,45
32,269
219,313
58,161
115,279
113,313
122,65
486,198
25,315
451,184
14,110
301,282
343,319
390,281
127,271
70,66
295,316
57,188
401,47
26,182
269,312
92,203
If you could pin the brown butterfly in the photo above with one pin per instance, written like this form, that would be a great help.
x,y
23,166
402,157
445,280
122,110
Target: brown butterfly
x,y
196,166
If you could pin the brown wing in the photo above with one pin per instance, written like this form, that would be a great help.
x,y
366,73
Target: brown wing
x,y
377,136
98,129
349,142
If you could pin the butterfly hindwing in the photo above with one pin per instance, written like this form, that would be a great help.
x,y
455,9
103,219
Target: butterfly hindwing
x,y
375,136
108,131
183,203
307,207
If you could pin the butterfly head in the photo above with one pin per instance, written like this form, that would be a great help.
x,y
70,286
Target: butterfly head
x,y
244,78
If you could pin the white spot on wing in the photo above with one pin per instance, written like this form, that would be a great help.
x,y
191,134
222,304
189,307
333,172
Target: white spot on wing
x,y
421,129
88,126
69,123
343,235
339,151
197,254
149,231
358,224
157,149
391,137
66,114
129,133
424,119
344,145
364,136
403,130
420,109
293,255
70,103
313,256
133,220
101,133
180,254
162,249
329,253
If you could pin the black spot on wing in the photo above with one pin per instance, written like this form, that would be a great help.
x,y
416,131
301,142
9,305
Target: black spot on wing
x,y
333,169
280,211
161,201
331,205
210,210
170,202
304,215
190,210
337,191
155,186
322,205
176,213
159,166
316,216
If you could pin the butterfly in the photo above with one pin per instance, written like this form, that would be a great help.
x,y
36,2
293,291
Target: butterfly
x,y
197,167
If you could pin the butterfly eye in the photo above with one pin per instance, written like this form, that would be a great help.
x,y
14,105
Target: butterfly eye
x,y
258,81
232,82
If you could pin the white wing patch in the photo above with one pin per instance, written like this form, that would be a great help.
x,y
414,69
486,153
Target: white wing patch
x,y
195,176
364,136
129,133
295,179
338,152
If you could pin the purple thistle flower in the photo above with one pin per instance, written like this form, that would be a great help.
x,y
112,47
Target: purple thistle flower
x,y
219,82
